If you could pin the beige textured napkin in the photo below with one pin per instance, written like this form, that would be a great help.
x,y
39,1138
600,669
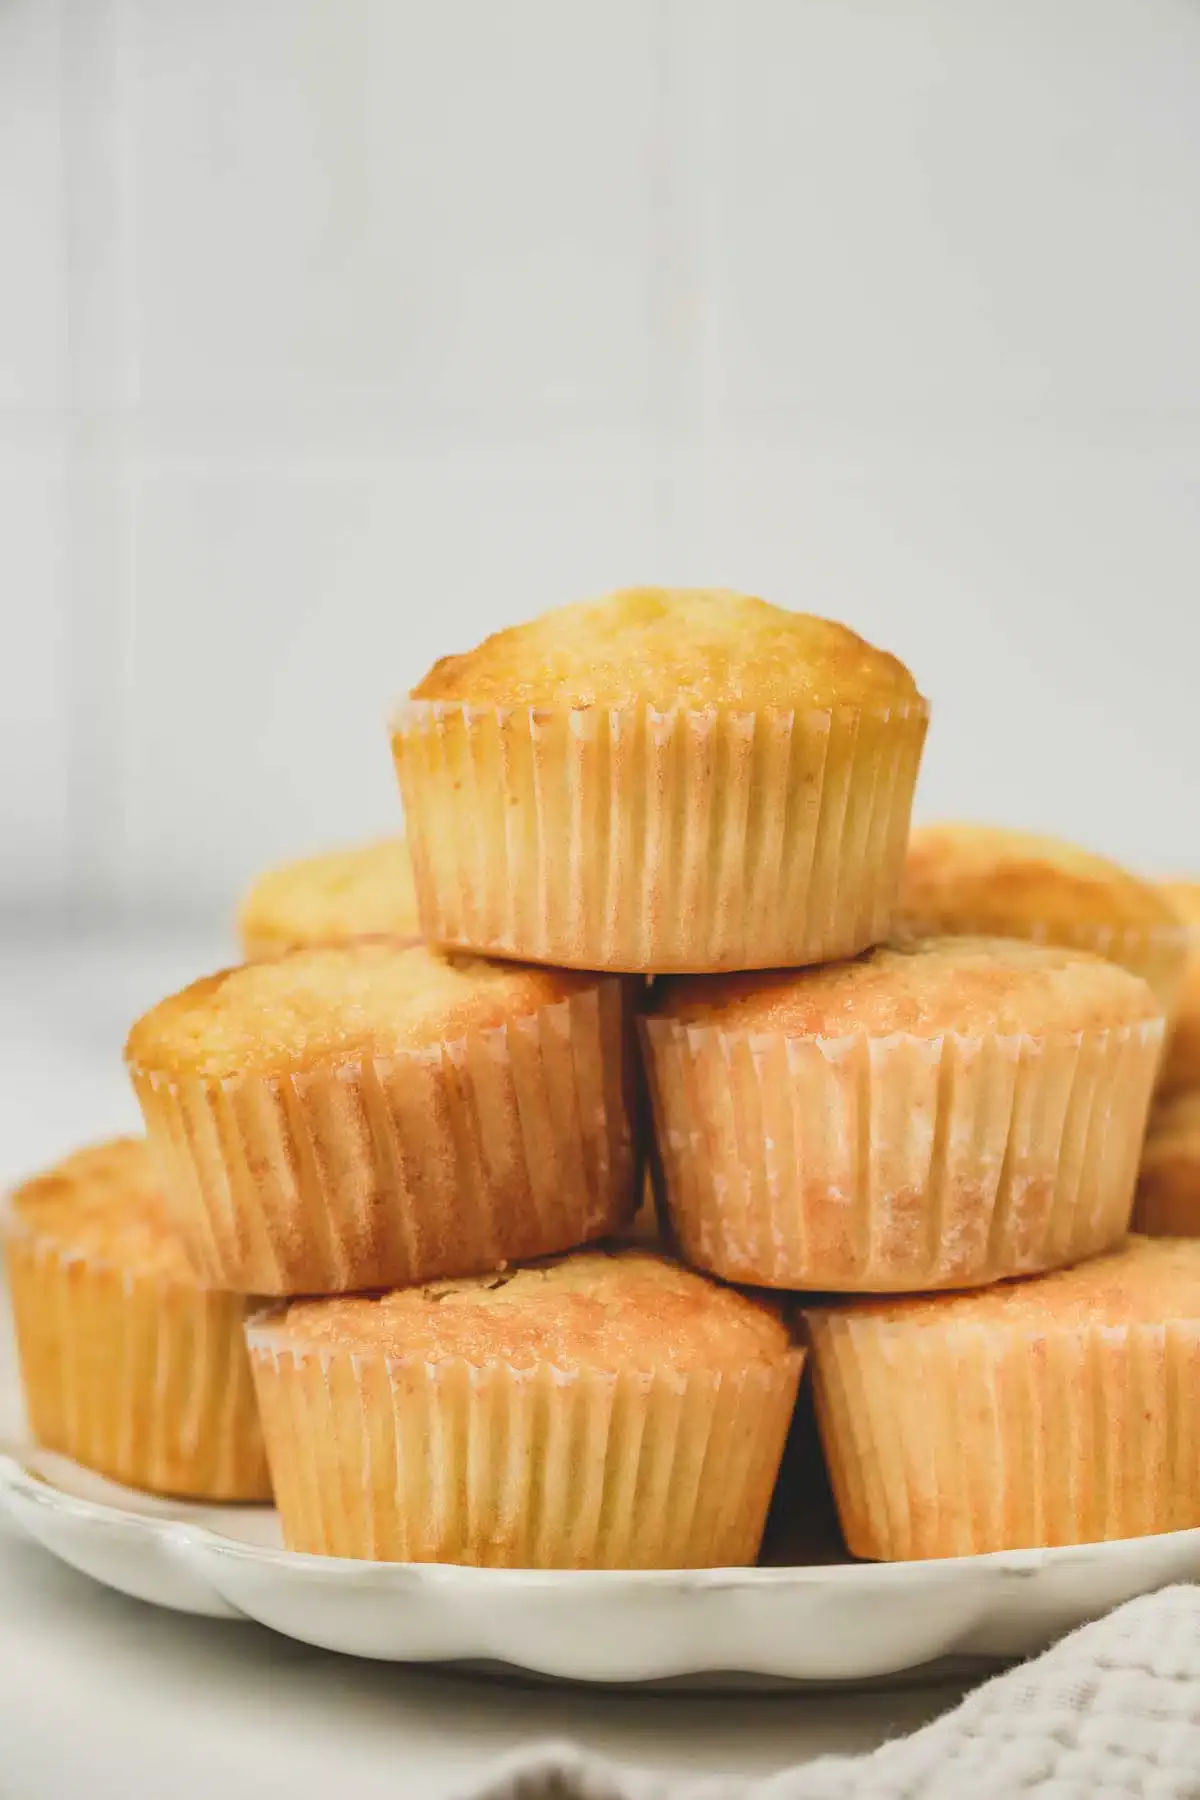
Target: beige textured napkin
x,y
1113,1710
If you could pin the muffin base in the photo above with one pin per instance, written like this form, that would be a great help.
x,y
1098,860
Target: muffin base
x,y
646,841
495,1148
897,1164
142,1380
961,1440
502,1467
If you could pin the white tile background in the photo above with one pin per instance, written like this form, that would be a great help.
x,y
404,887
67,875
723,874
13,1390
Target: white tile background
x,y
335,333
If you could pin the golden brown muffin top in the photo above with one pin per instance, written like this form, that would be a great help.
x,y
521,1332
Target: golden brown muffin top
x,y
921,986
365,892
336,1004
672,647
986,878
1184,897
105,1202
1147,1281
612,1310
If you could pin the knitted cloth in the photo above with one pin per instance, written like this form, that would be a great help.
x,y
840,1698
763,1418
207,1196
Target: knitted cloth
x,y
1113,1710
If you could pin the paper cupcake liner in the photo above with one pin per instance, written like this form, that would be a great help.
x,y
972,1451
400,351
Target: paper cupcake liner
x,y
144,1380
959,1440
497,1147
631,839
644,1228
1181,1062
1168,1190
896,1163
502,1467
1158,953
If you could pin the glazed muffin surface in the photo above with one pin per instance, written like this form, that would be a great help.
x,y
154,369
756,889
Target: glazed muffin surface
x,y
106,1201
367,998
923,986
363,892
980,878
988,874
613,1309
672,647
1142,1281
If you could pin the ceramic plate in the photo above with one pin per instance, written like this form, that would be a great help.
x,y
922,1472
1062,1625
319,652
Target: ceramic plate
x,y
826,1622
808,1614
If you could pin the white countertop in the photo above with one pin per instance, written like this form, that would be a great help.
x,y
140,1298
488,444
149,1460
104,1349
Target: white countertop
x,y
105,1696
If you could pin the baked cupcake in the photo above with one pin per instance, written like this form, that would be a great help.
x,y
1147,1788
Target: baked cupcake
x,y
600,1411
669,779
939,1113
1168,1191
981,880
1055,1411
1181,1069
645,1227
329,899
367,1115
129,1366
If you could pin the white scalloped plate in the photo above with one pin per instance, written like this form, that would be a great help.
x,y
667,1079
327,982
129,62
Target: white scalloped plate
x,y
841,1622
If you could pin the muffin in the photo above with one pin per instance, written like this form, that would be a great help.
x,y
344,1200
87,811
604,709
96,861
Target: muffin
x,y
1168,1190
669,779
939,1113
1181,1069
366,1115
981,880
129,1366
608,1410
1054,1411
645,1227
367,892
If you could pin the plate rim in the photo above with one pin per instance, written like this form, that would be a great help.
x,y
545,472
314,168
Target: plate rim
x,y
19,1476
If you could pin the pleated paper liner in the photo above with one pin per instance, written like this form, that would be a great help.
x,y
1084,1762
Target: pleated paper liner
x,y
960,1440
896,1163
506,1467
1168,1190
500,1146
1157,953
1181,1066
141,1378
644,1227
632,839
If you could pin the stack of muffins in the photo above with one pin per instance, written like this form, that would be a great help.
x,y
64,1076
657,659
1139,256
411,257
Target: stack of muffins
x,y
393,1159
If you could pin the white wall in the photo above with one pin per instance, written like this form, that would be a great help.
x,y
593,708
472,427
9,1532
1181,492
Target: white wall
x,y
335,333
